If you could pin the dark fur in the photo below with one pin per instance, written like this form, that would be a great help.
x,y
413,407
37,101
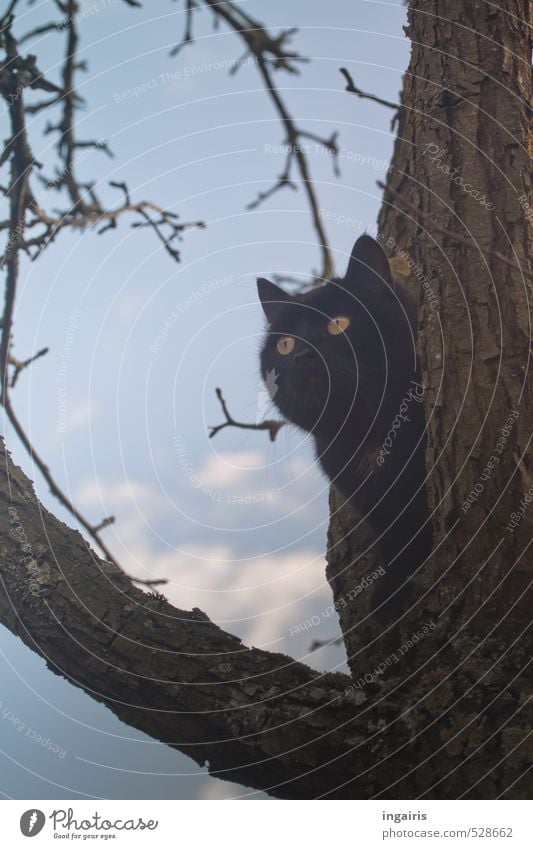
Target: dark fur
x,y
346,390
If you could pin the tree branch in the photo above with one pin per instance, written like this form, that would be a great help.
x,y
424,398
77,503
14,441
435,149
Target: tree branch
x,y
16,74
8,13
271,425
272,54
188,34
20,365
352,88
169,672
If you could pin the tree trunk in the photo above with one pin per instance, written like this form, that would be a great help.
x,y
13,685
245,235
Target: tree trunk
x,y
437,707
461,165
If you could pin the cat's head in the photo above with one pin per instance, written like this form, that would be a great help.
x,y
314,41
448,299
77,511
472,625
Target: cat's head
x,y
339,352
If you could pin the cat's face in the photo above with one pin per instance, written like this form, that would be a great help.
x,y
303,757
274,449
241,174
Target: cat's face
x,y
333,354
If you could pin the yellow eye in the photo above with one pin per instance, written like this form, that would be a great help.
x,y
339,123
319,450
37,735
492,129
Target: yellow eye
x,y
338,325
285,345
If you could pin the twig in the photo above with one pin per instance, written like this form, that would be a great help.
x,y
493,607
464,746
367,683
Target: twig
x,y
283,180
20,198
109,520
435,226
8,13
25,214
92,530
150,582
353,89
86,209
109,217
320,644
187,36
292,280
271,425
53,26
20,365
272,54
22,162
165,220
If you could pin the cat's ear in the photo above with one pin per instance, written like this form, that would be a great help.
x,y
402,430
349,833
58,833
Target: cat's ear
x,y
272,298
368,269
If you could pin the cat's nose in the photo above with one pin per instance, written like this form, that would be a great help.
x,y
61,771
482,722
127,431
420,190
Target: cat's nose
x,y
303,353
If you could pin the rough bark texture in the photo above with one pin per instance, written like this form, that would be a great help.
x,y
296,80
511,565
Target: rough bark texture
x,y
467,94
257,718
448,718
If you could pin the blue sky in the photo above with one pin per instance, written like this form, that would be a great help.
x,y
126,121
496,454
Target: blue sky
x,y
121,405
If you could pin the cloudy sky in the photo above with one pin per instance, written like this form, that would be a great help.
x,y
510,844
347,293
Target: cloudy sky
x,y
122,404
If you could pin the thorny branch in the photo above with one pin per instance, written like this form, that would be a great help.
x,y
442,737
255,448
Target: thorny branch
x,y
272,425
26,213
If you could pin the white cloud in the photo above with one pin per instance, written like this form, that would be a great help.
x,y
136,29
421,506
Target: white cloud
x,y
260,599
80,417
230,467
135,505
258,582
228,790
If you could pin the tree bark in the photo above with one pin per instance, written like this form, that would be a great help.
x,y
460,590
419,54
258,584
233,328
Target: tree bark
x,y
465,116
447,716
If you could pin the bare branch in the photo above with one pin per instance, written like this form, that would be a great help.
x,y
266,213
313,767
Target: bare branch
x,y
5,19
188,35
283,180
53,26
271,425
150,582
187,683
92,530
26,214
22,162
353,89
320,644
174,230
109,520
272,54
20,365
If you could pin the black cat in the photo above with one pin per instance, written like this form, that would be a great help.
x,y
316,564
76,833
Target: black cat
x,y
344,361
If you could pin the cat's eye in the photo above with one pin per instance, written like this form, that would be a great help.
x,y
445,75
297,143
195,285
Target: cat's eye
x,y
285,345
338,324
